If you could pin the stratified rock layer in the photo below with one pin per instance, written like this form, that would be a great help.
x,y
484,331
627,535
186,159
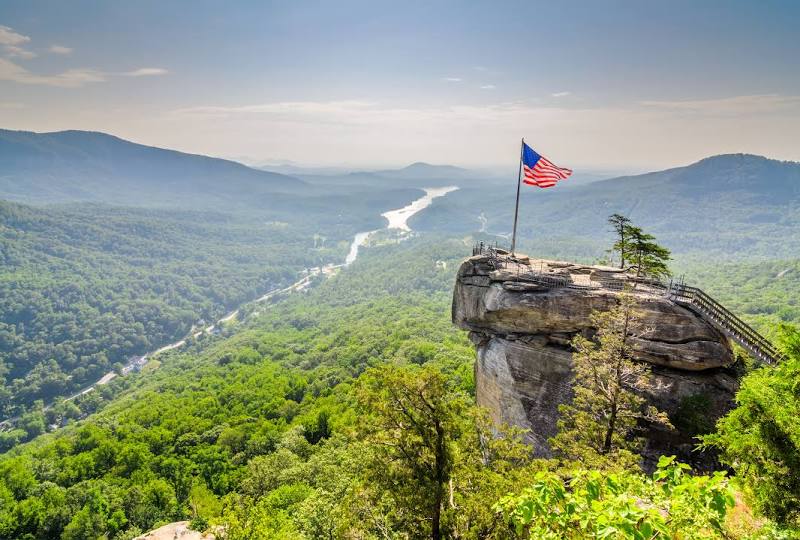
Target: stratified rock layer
x,y
522,330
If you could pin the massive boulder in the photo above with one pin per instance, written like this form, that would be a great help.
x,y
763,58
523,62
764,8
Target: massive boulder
x,y
522,315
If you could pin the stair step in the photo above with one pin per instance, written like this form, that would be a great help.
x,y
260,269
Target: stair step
x,y
738,331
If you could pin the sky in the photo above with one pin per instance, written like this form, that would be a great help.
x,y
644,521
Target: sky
x,y
614,84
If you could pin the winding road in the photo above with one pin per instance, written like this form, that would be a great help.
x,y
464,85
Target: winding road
x,y
396,219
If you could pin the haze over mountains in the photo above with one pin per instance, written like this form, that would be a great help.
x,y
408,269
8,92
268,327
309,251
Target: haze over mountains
x,y
734,205
88,166
153,245
237,291
730,203
81,166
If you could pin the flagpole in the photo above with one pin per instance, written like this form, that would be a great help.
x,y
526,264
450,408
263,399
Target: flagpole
x,y
516,208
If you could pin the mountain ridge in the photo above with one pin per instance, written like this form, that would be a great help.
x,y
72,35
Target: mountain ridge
x,y
716,165
732,205
74,165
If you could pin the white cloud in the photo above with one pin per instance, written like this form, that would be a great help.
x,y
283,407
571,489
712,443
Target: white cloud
x,y
145,72
736,105
12,42
452,79
12,51
11,105
9,37
60,49
560,94
488,87
72,78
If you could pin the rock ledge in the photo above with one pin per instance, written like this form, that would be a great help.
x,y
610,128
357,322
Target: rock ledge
x,y
521,319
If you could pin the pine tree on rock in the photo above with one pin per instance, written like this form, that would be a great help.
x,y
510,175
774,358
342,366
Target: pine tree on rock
x,y
600,424
620,224
638,250
645,256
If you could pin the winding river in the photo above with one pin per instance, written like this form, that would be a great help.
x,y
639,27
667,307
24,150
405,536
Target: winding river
x,y
396,219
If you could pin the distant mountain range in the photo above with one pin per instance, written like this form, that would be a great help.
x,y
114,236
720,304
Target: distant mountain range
x,y
746,174
89,166
418,175
72,166
733,205
415,171
425,171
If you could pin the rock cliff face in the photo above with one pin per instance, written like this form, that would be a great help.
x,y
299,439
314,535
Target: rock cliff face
x,y
521,318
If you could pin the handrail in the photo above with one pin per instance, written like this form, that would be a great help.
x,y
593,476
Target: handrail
x,y
702,300
716,314
732,325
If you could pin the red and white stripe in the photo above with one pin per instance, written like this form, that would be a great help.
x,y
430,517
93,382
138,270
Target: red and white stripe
x,y
544,174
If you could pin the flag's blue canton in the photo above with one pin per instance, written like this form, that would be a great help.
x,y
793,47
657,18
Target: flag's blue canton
x,y
530,157
540,171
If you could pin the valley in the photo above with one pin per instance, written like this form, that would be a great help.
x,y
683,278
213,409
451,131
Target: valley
x,y
396,219
260,379
399,270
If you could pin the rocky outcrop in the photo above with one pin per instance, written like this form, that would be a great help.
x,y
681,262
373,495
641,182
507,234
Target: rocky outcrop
x,y
522,316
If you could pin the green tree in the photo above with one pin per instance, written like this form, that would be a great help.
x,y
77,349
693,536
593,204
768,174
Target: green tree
x,y
760,438
91,521
203,503
644,255
671,504
637,249
619,225
179,473
246,521
412,420
602,418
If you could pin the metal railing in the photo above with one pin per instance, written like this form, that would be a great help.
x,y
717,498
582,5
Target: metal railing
x,y
725,321
692,298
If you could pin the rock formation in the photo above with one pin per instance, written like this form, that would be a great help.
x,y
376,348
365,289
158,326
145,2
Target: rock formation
x,y
522,315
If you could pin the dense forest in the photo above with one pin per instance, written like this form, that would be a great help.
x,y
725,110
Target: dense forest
x,y
766,293
729,207
84,288
348,410
286,427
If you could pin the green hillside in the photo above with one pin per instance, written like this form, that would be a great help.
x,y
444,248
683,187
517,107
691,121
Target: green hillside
x,y
222,403
267,430
734,206
85,287
79,166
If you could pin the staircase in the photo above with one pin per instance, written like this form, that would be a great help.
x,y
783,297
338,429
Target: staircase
x,y
689,297
726,322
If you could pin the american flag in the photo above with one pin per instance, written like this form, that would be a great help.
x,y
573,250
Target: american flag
x,y
539,171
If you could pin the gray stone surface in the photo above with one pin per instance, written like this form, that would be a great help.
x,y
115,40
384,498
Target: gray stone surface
x,y
522,331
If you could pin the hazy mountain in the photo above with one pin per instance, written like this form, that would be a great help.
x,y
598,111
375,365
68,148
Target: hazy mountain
x,y
89,166
746,174
416,175
425,171
424,175
294,169
735,204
